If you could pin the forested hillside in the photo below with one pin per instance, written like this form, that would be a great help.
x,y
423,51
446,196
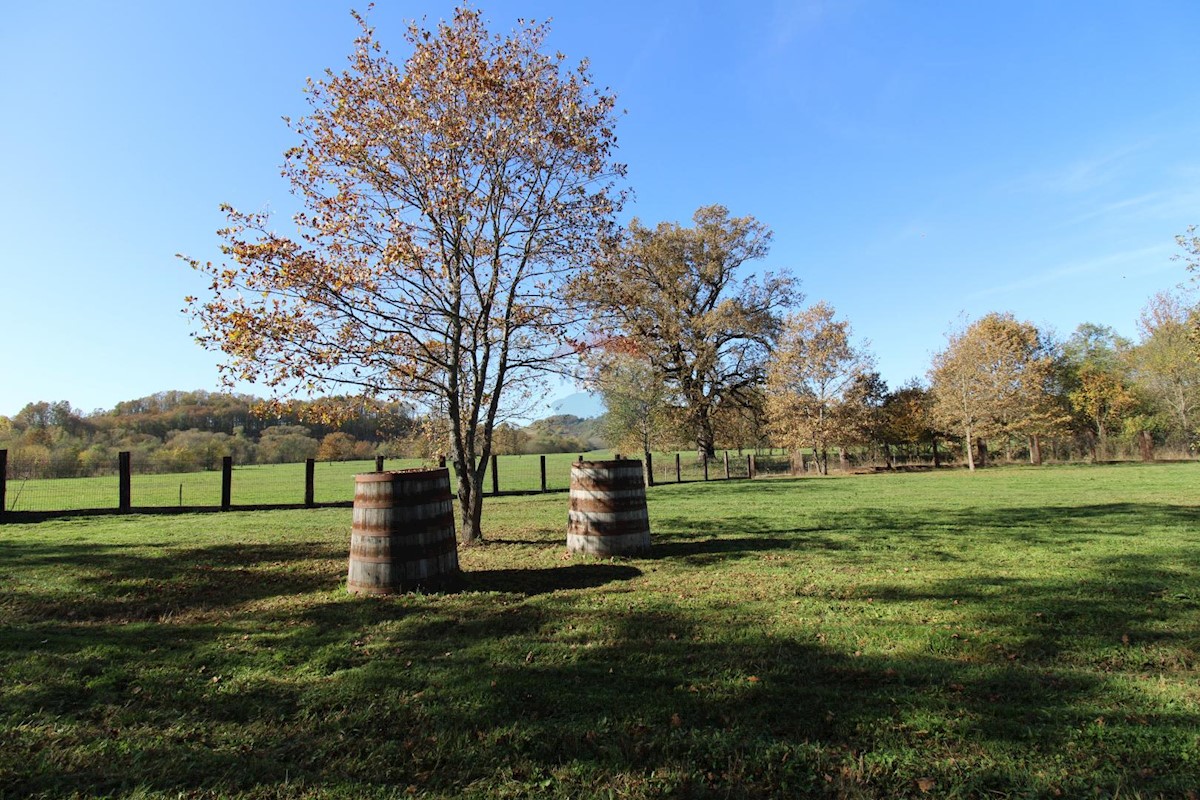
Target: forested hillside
x,y
177,431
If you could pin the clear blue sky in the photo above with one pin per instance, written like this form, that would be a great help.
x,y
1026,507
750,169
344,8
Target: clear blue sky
x,y
916,160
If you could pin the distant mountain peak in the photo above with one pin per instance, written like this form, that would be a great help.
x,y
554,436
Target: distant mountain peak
x,y
584,405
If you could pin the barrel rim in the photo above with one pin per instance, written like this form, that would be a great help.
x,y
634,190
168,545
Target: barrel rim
x,y
403,474
622,462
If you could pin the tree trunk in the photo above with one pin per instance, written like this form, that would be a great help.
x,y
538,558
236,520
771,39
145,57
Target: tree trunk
x,y
936,461
705,440
1146,443
887,455
982,456
843,462
1035,450
970,450
470,503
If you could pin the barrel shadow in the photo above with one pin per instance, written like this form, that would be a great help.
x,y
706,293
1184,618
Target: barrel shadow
x,y
531,582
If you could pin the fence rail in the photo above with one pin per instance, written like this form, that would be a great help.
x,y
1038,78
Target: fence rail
x,y
316,484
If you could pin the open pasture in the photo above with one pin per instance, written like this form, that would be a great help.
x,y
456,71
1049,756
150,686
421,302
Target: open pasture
x,y
1014,633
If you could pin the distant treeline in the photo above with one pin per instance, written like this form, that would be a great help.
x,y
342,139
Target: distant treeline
x,y
178,431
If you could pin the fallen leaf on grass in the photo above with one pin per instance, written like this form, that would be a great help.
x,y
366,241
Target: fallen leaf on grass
x,y
926,784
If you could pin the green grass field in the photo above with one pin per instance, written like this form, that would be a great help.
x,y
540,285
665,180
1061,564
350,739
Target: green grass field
x,y
278,484
1014,633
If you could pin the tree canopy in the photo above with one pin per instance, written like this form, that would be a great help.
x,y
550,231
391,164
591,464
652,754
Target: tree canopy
x,y
811,381
676,293
446,203
992,378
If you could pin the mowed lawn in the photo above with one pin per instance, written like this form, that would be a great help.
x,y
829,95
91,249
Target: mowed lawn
x,y
1014,633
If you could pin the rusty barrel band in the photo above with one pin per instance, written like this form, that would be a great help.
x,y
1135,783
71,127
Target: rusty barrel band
x,y
404,552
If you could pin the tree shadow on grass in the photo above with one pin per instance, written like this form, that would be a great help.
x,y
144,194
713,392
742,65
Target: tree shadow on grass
x,y
864,526
114,585
1032,686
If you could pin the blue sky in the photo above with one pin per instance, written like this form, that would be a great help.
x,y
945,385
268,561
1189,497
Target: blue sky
x,y
917,161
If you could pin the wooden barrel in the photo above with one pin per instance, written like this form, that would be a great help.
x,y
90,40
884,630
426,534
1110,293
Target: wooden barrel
x,y
608,508
402,537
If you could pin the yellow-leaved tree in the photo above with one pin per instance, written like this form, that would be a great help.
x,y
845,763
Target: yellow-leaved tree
x,y
995,378
447,201
812,382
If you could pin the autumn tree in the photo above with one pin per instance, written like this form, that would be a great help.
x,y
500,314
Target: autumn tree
x,y
865,416
1096,382
809,383
677,294
1103,399
1189,242
638,411
339,446
991,380
1165,367
447,201
508,440
908,417
743,423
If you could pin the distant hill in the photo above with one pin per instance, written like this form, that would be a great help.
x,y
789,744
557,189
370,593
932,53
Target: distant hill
x,y
563,433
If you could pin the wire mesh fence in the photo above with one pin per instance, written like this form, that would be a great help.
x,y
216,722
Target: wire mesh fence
x,y
248,486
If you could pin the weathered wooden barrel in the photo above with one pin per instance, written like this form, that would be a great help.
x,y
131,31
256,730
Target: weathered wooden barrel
x,y
608,508
402,537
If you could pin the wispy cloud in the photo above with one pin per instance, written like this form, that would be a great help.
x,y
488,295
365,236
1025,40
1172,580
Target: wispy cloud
x,y
1163,204
794,20
1138,260
1084,174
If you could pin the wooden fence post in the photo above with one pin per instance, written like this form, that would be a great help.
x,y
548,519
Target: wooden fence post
x,y
379,463
310,482
543,465
750,465
3,480
726,465
123,481
226,482
678,470
495,477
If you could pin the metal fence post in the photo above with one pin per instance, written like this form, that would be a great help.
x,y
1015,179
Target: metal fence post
x,y
704,458
726,465
379,463
751,466
543,460
123,481
310,482
678,470
495,476
226,482
649,469
3,480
